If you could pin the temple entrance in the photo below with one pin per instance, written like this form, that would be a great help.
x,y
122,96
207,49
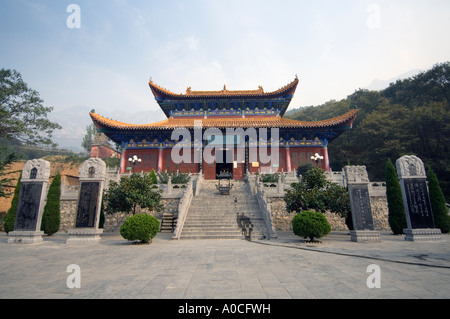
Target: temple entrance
x,y
224,170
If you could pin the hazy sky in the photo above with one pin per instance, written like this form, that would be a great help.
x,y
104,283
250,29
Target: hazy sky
x,y
333,46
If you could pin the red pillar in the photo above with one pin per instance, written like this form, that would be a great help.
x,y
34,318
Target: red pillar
x,y
326,158
160,159
123,161
288,159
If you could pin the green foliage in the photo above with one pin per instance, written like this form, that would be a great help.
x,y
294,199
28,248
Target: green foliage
x,y
176,177
140,227
316,193
411,116
51,217
440,212
315,178
2,221
6,158
22,115
310,224
153,178
269,178
396,217
131,193
88,138
303,169
10,218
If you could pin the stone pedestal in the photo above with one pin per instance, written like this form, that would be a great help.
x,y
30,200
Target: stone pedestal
x,y
84,236
422,234
25,237
368,236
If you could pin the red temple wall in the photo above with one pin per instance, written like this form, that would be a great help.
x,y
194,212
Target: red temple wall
x,y
151,160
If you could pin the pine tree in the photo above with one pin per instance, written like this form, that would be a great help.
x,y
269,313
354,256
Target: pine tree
x,y
51,217
10,218
397,217
440,212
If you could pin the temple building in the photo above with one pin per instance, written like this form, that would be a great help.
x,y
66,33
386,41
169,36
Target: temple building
x,y
224,134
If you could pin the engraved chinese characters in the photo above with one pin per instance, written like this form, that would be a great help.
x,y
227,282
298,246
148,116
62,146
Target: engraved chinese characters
x,y
87,204
358,187
92,178
33,192
419,216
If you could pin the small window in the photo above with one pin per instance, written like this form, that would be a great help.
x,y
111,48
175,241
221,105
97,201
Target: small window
x,y
91,172
33,173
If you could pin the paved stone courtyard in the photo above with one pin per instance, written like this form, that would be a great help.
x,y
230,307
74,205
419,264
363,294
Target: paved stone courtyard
x,y
227,269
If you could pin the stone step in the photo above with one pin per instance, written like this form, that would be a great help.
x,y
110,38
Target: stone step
x,y
214,216
217,213
224,237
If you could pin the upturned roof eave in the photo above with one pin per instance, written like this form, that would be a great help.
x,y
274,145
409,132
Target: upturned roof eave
x,y
342,122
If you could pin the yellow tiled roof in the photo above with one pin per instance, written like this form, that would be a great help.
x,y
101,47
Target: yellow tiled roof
x,y
158,90
219,122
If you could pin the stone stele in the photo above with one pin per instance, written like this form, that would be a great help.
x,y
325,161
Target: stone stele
x,y
33,193
416,199
358,186
92,179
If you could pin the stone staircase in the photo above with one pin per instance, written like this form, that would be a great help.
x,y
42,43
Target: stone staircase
x,y
214,216
168,223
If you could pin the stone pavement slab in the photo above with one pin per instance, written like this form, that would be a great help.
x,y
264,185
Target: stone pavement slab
x,y
286,268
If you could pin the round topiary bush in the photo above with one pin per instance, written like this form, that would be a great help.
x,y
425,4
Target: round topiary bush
x,y
140,227
309,224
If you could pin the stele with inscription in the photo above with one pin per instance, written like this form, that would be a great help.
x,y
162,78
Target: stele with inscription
x,y
416,199
357,181
30,207
92,179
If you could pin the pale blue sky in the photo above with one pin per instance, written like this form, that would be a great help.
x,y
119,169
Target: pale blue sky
x,y
335,47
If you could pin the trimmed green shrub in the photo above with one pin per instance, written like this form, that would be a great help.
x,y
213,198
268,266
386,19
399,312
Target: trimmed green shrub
x,y
10,218
440,212
51,216
310,224
140,227
397,217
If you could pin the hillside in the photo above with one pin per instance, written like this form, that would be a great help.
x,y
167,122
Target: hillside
x,y
58,163
411,116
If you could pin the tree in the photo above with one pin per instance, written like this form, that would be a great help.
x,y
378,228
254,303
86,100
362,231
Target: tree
x,y
22,114
88,138
132,193
92,137
51,216
396,216
10,218
6,159
440,212
411,116
314,192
